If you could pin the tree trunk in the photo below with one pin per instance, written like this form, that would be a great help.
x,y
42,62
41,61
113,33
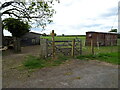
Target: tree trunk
x,y
17,46
2,39
1,31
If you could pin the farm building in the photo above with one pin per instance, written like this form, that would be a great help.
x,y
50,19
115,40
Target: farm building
x,y
101,38
30,38
7,40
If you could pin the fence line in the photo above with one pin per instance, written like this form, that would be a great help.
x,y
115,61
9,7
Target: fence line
x,y
71,48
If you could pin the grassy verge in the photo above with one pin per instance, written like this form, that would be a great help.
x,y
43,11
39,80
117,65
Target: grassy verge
x,y
107,57
33,62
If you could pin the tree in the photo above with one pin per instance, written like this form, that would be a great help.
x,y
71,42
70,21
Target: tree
x,y
55,34
38,12
44,34
18,28
63,34
113,30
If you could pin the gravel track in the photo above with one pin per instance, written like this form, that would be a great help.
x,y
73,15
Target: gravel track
x,y
72,74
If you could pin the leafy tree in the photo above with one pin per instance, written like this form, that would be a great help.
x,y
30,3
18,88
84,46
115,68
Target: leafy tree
x,y
55,34
63,34
15,26
38,12
113,30
18,28
44,34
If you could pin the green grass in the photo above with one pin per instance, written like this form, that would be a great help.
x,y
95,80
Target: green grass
x,y
107,57
64,38
33,62
103,49
60,38
60,60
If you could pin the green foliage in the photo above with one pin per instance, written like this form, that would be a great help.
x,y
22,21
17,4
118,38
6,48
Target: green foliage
x,y
16,26
39,12
60,60
63,35
55,34
44,34
33,62
119,35
107,57
113,30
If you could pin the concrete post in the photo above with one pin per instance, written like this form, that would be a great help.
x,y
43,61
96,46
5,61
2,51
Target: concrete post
x,y
17,46
43,48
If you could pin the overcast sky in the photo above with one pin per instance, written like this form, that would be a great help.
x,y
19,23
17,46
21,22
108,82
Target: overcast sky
x,y
75,17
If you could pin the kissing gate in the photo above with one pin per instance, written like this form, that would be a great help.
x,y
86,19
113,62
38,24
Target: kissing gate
x,y
53,48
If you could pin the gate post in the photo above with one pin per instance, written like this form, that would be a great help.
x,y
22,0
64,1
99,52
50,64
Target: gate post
x,y
16,43
92,47
73,48
80,47
43,48
53,44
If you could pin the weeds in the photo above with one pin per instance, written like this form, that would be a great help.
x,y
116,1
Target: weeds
x,y
107,57
33,62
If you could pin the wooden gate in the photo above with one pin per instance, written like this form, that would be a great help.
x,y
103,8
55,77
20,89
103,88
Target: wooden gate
x,y
68,48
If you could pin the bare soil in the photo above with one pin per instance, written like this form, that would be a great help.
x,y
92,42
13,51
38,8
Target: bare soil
x,y
71,74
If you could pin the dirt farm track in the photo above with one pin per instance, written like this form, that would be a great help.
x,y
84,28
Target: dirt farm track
x,y
72,74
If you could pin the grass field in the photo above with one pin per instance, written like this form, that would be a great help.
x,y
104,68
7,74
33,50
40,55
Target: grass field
x,y
60,38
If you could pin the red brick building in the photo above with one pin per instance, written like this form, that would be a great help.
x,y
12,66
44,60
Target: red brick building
x,y
101,38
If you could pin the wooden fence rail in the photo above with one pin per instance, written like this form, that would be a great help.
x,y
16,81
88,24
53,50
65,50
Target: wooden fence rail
x,y
71,48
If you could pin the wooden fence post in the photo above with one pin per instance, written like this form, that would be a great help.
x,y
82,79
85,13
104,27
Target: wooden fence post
x,y
92,47
53,44
111,46
73,48
43,48
80,47
98,46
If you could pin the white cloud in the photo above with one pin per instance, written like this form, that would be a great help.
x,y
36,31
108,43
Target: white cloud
x,y
72,16
80,16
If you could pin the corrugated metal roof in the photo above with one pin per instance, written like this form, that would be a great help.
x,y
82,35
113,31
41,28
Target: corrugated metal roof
x,y
35,33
